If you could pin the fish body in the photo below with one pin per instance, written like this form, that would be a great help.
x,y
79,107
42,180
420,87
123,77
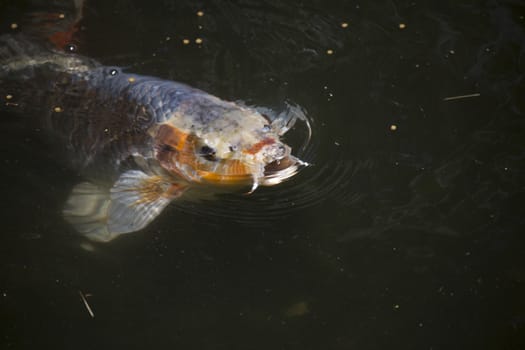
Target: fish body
x,y
154,139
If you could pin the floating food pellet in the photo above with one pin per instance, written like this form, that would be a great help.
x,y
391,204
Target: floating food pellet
x,y
344,25
329,52
185,41
8,97
61,16
14,26
198,41
131,79
402,25
393,127
57,109
168,38
200,13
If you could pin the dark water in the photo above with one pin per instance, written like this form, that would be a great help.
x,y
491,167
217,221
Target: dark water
x,y
410,238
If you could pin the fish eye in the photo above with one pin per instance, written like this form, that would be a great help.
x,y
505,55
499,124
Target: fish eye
x,y
70,48
233,148
208,153
207,150
267,128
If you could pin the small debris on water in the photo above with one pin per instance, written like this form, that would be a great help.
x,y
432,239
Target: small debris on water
x,y
396,307
337,143
402,25
14,26
329,52
87,246
198,41
58,109
451,98
131,79
84,300
344,25
168,38
297,309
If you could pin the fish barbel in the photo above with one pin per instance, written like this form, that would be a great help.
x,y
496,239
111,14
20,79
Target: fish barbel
x,y
156,139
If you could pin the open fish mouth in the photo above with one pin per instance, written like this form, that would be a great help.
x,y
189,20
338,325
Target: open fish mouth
x,y
281,170
271,174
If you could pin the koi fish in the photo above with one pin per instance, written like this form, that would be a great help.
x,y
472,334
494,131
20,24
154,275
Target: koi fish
x,y
156,140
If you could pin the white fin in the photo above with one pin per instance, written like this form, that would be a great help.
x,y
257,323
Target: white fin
x,y
130,205
86,209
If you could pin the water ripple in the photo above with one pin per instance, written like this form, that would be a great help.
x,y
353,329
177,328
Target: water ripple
x,y
327,177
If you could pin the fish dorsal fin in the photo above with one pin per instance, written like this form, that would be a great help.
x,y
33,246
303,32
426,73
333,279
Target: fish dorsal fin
x,y
130,205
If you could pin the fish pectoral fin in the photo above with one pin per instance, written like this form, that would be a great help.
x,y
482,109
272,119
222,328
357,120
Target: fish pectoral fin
x,y
137,199
130,205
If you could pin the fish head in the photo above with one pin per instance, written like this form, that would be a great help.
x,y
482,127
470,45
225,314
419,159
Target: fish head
x,y
224,144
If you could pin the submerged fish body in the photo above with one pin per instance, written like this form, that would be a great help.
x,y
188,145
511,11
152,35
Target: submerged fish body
x,y
156,139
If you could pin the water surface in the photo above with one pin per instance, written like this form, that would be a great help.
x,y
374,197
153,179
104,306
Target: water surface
x,y
407,231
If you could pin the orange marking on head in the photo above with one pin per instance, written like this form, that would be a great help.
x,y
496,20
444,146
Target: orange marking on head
x,y
224,179
174,147
231,172
170,135
259,145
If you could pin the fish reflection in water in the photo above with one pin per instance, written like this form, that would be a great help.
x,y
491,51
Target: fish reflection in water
x,y
141,142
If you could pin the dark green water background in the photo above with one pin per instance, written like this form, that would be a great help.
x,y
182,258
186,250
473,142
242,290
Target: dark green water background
x,y
395,239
